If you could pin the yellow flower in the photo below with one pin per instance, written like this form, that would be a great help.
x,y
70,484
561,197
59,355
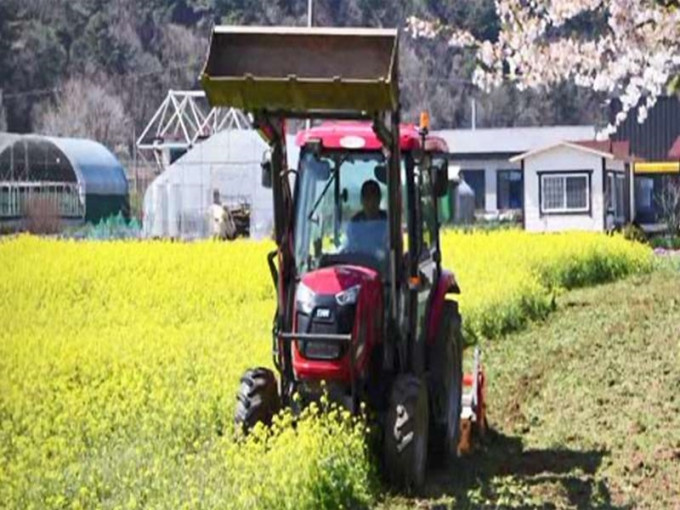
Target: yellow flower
x,y
119,363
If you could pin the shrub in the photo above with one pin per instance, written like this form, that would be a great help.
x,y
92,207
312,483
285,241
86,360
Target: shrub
x,y
665,242
42,216
633,232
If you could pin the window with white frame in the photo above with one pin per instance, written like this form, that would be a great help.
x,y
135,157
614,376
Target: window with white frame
x,y
565,192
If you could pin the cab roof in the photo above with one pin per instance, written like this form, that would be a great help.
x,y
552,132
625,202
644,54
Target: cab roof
x,y
360,136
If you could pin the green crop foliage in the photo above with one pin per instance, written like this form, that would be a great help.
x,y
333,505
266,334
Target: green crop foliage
x,y
119,363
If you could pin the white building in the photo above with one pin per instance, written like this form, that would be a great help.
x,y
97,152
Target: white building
x,y
483,156
576,186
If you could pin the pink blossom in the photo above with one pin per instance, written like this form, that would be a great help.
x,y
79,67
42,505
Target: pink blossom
x,y
632,59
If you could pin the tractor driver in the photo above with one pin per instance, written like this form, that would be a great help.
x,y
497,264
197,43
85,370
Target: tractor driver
x,y
367,231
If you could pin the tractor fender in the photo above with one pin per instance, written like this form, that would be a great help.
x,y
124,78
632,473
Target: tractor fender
x,y
447,284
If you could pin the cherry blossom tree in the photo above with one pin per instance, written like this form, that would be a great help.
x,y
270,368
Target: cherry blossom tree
x,y
627,49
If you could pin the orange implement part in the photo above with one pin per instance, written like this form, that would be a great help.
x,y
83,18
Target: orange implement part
x,y
465,441
474,425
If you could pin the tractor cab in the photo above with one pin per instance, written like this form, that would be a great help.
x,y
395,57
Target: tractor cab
x,y
341,209
342,194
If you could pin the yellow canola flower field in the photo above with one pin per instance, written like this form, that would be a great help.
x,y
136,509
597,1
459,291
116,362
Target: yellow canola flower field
x,y
119,363
510,277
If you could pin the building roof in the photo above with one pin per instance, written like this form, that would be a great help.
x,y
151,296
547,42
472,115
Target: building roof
x,y
620,149
511,141
674,153
589,147
652,139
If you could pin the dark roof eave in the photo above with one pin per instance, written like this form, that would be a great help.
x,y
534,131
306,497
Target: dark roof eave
x,y
482,155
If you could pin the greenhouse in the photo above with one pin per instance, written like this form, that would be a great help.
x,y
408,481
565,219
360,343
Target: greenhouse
x,y
227,166
73,179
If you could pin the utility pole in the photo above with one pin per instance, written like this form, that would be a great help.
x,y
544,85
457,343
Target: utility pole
x,y
134,139
310,14
474,113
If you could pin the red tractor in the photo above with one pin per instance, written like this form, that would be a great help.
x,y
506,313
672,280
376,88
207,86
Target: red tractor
x,y
363,303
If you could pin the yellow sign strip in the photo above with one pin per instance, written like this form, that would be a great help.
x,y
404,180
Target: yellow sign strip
x,y
657,167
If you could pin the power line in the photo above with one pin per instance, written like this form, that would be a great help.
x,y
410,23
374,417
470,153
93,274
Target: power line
x,y
133,75
35,92
187,66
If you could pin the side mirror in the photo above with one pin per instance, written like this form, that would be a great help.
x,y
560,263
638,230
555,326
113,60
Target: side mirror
x,y
266,167
266,174
380,173
441,179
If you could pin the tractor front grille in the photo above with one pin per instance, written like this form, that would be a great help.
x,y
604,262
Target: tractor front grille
x,y
340,322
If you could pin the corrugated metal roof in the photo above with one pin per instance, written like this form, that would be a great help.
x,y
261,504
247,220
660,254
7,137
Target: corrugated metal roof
x,y
674,153
513,140
653,138
619,149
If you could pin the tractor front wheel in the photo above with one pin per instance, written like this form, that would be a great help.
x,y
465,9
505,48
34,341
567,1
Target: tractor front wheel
x,y
257,400
406,433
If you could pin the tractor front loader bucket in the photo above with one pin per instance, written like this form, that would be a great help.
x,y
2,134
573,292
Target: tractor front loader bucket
x,y
306,70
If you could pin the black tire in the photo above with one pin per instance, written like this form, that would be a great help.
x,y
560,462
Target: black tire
x,y
257,400
406,434
446,385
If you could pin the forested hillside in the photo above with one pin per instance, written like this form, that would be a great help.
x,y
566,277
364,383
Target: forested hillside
x,y
99,68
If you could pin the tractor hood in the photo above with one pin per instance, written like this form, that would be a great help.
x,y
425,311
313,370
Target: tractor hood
x,y
336,300
342,281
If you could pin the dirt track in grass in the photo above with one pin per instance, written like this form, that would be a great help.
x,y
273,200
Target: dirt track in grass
x,y
584,409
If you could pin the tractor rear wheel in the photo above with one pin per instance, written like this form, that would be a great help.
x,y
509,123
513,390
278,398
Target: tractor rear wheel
x,y
446,378
406,433
257,400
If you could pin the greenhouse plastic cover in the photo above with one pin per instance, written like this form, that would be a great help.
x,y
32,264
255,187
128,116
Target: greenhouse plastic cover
x,y
177,201
97,169
95,165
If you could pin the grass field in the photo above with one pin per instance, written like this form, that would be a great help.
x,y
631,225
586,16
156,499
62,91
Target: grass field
x,y
585,408
119,361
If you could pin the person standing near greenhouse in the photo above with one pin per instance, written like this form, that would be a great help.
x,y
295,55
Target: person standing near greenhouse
x,y
221,223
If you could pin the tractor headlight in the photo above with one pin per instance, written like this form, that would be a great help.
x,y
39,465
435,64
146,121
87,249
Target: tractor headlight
x,y
348,297
304,296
